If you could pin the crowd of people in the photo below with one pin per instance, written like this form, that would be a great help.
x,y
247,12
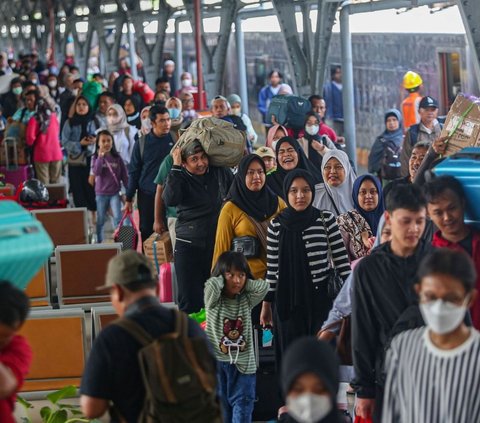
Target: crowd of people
x,y
319,243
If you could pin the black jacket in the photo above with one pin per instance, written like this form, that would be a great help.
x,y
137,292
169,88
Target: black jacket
x,y
198,200
382,291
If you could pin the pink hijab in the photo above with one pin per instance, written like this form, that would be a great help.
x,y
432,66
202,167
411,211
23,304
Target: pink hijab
x,y
271,134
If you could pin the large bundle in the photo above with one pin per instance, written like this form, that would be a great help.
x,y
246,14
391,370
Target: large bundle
x,y
462,124
224,144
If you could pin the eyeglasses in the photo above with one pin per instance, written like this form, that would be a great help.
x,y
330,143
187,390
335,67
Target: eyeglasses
x,y
258,172
336,168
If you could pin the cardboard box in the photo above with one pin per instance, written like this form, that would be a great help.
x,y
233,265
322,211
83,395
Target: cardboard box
x,y
462,124
159,246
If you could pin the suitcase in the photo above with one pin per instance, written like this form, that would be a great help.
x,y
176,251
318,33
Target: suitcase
x,y
465,166
267,398
167,283
17,176
11,155
24,244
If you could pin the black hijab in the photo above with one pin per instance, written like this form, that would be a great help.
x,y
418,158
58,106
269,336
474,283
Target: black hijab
x,y
275,180
257,204
82,120
294,288
309,355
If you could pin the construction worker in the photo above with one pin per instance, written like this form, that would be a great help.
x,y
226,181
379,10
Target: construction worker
x,y
411,82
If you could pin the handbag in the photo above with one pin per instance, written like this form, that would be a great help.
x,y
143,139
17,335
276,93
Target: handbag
x,y
343,339
127,235
77,159
334,280
248,245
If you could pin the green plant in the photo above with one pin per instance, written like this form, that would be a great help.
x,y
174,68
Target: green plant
x,y
58,412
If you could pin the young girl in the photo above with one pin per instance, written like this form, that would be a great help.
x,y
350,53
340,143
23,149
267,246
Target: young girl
x,y
230,296
110,171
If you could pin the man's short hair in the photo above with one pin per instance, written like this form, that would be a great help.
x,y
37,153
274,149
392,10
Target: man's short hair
x,y
406,196
97,75
314,97
157,110
219,97
437,186
422,144
108,94
334,69
74,68
161,80
14,305
445,261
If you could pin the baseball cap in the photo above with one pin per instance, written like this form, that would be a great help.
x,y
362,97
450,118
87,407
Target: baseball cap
x,y
428,101
126,268
265,152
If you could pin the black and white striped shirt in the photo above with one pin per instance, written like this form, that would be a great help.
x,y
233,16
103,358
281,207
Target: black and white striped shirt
x,y
429,385
316,247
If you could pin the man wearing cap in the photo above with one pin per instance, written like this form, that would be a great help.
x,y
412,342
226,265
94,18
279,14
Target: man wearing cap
x,y
427,130
198,191
268,157
169,72
112,374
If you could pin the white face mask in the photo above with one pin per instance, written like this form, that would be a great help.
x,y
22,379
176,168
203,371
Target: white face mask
x,y
147,125
75,92
312,129
309,408
52,83
186,82
237,111
274,144
442,316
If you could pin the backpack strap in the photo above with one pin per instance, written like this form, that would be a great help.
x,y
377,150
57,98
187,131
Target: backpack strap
x,y
181,324
135,330
414,133
141,145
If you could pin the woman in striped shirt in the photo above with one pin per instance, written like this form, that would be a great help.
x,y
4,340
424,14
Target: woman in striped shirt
x,y
298,263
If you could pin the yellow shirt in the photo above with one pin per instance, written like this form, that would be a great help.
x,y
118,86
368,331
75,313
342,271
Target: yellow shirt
x,y
233,223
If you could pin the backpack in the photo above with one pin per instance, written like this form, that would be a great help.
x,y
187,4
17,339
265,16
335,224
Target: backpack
x,y
223,143
178,375
391,167
289,110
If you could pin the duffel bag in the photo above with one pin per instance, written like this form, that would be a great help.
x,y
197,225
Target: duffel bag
x,y
289,110
223,144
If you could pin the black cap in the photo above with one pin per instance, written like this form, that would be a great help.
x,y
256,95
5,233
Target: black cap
x,y
428,101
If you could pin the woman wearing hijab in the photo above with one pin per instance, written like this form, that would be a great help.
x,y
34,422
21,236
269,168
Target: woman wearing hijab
x,y
132,110
174,106
274,134
392,138
310,382
298,263
146,122
335,195
123,133
78,138
249,208
290,156
43,133
358,226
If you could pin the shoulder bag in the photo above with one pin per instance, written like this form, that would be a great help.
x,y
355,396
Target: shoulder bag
x,y
334,280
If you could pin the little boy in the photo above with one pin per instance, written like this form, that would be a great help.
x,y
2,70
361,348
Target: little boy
x,y
230,296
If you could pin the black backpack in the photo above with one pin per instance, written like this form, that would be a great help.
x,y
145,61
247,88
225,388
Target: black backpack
x,y
391,167
178,375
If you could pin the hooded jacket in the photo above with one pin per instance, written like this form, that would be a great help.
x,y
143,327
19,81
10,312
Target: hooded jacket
x,y
382,291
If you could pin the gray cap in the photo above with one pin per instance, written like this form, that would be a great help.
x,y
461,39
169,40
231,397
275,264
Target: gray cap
x,y
128,267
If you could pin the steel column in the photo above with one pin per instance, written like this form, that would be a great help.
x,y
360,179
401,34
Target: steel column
x,y
198,51
347,81
178,53
470,12
241,64
131,48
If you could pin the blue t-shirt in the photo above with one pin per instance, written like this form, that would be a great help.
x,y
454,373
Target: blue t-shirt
x,y
112,371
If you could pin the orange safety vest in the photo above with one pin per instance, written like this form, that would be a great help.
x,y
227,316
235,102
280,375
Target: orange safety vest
x,y
410,110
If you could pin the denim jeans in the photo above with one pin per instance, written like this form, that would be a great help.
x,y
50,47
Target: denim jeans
x,y
103,202
237,393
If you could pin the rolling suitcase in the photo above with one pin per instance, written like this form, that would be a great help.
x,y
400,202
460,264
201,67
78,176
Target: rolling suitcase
x,y
167,281
24,244
465,166
267,398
